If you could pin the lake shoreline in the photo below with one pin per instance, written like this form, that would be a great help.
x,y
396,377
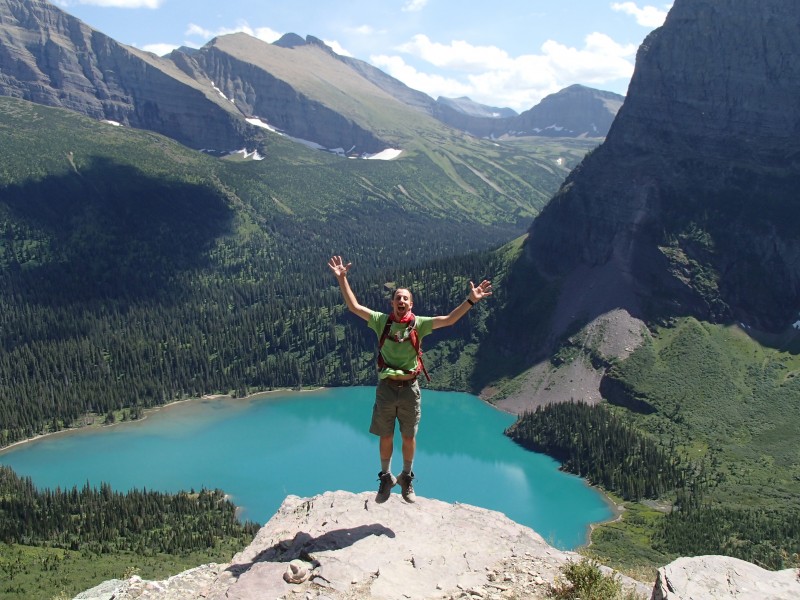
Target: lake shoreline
x,y
617,510
614,509
149,411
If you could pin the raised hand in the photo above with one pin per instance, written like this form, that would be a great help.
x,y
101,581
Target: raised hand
x,y
483,289
338,267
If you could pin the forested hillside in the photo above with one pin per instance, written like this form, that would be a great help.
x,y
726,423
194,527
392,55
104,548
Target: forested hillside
x,y
712,510
134,272
104,521
55,541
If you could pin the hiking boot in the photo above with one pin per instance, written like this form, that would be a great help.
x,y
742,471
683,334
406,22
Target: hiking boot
x,y
385,489
406,487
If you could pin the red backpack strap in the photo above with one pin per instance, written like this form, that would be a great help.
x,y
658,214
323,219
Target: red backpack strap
x,y
415,341
384,335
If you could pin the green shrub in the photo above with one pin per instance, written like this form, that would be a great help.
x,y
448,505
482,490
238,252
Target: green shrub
x,y
585,581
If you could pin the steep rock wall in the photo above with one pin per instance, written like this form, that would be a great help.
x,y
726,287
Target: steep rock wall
x,y
693,194
52,58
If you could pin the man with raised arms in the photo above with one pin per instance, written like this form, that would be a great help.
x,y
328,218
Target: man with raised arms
x,y
397,396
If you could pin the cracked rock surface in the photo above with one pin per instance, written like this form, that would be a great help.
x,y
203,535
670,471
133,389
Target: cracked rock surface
x,y
344,546
355,548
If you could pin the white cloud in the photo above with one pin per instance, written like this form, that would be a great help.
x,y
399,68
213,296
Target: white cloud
x,y
159,49
458,55
646,16
197,31
414,5
490,76
266,34
433,85
601,59
124,3
263,33
338,48
363,30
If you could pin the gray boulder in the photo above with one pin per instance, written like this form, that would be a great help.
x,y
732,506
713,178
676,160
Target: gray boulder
x,y
723,578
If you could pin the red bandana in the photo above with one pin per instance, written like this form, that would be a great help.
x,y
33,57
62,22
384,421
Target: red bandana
x,y
404,319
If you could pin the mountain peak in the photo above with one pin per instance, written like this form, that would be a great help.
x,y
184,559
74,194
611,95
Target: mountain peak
x,y
315,41
290,40
575,111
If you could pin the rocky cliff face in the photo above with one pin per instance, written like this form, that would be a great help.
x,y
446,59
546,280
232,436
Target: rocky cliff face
x,y
722,578
343,546
49,57
692,200
201,98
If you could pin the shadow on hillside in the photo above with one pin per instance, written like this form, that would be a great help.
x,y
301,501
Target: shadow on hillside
x,y
110,231
519,326
539,315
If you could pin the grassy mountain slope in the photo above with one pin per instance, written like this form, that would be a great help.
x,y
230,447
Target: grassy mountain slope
x,y
251,70
730,399
508,185
315,73
727,407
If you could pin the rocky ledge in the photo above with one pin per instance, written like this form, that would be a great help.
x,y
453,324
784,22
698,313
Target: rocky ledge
x,y
723,578
344,546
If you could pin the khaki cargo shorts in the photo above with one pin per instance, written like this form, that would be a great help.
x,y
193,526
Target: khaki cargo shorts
x,y
399,400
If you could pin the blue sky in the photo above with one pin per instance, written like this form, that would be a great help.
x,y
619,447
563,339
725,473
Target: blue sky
x,y
504,53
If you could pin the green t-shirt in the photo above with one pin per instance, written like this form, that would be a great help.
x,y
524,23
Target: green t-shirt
x,y
400,355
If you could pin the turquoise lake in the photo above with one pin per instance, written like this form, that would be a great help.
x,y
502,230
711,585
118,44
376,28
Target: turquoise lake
x,y
263,448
